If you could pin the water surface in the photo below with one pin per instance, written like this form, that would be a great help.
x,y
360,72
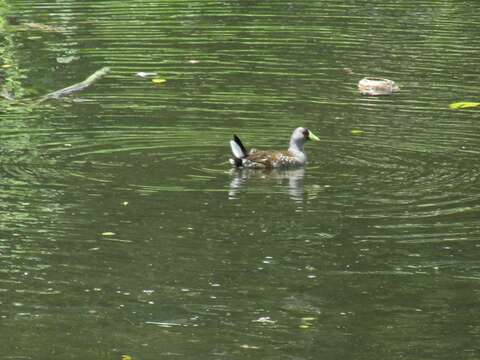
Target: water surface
x,y
125,232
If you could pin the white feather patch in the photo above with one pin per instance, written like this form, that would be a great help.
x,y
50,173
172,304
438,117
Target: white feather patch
x,y
236,150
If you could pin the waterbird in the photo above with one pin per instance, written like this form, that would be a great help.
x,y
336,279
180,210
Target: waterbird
x,y
268,159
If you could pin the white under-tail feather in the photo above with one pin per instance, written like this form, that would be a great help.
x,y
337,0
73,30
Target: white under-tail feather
x,y
237,150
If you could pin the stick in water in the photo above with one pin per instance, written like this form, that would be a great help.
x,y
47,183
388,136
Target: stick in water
x,y
78,86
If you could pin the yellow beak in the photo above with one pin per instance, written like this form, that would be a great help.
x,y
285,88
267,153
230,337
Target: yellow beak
x,y
313,137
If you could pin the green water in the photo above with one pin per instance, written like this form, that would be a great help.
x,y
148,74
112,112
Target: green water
x,y
123,230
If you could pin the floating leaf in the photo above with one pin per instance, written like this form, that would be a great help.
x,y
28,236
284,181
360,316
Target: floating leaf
x,y
66,59
108,233
125,203
464,105
159,81
264,320
6,66
144,74
126,357
356,132
304,326
308,318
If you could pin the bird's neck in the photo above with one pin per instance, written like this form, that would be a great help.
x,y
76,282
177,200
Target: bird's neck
x,y
297,151
295,147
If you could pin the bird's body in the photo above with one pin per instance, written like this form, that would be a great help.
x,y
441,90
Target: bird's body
x,y
268,159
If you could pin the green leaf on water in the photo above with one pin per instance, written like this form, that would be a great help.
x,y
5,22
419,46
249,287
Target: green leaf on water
x,y
159,81
356,132
108,233
464,105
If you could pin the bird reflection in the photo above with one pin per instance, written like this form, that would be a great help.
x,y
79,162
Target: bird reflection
x,y
294,177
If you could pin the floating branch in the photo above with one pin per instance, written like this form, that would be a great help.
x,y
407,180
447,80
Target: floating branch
x,y
77,87
43,27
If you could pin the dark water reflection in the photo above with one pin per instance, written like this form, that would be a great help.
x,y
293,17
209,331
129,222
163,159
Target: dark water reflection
x,y
292,177
124,231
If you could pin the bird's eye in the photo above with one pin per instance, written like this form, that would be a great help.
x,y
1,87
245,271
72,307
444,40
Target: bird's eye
x,y
306,133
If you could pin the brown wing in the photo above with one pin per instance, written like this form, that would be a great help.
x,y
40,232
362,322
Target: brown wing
x,y
268,159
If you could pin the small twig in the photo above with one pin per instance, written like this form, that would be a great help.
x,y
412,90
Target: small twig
x,y
76,87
